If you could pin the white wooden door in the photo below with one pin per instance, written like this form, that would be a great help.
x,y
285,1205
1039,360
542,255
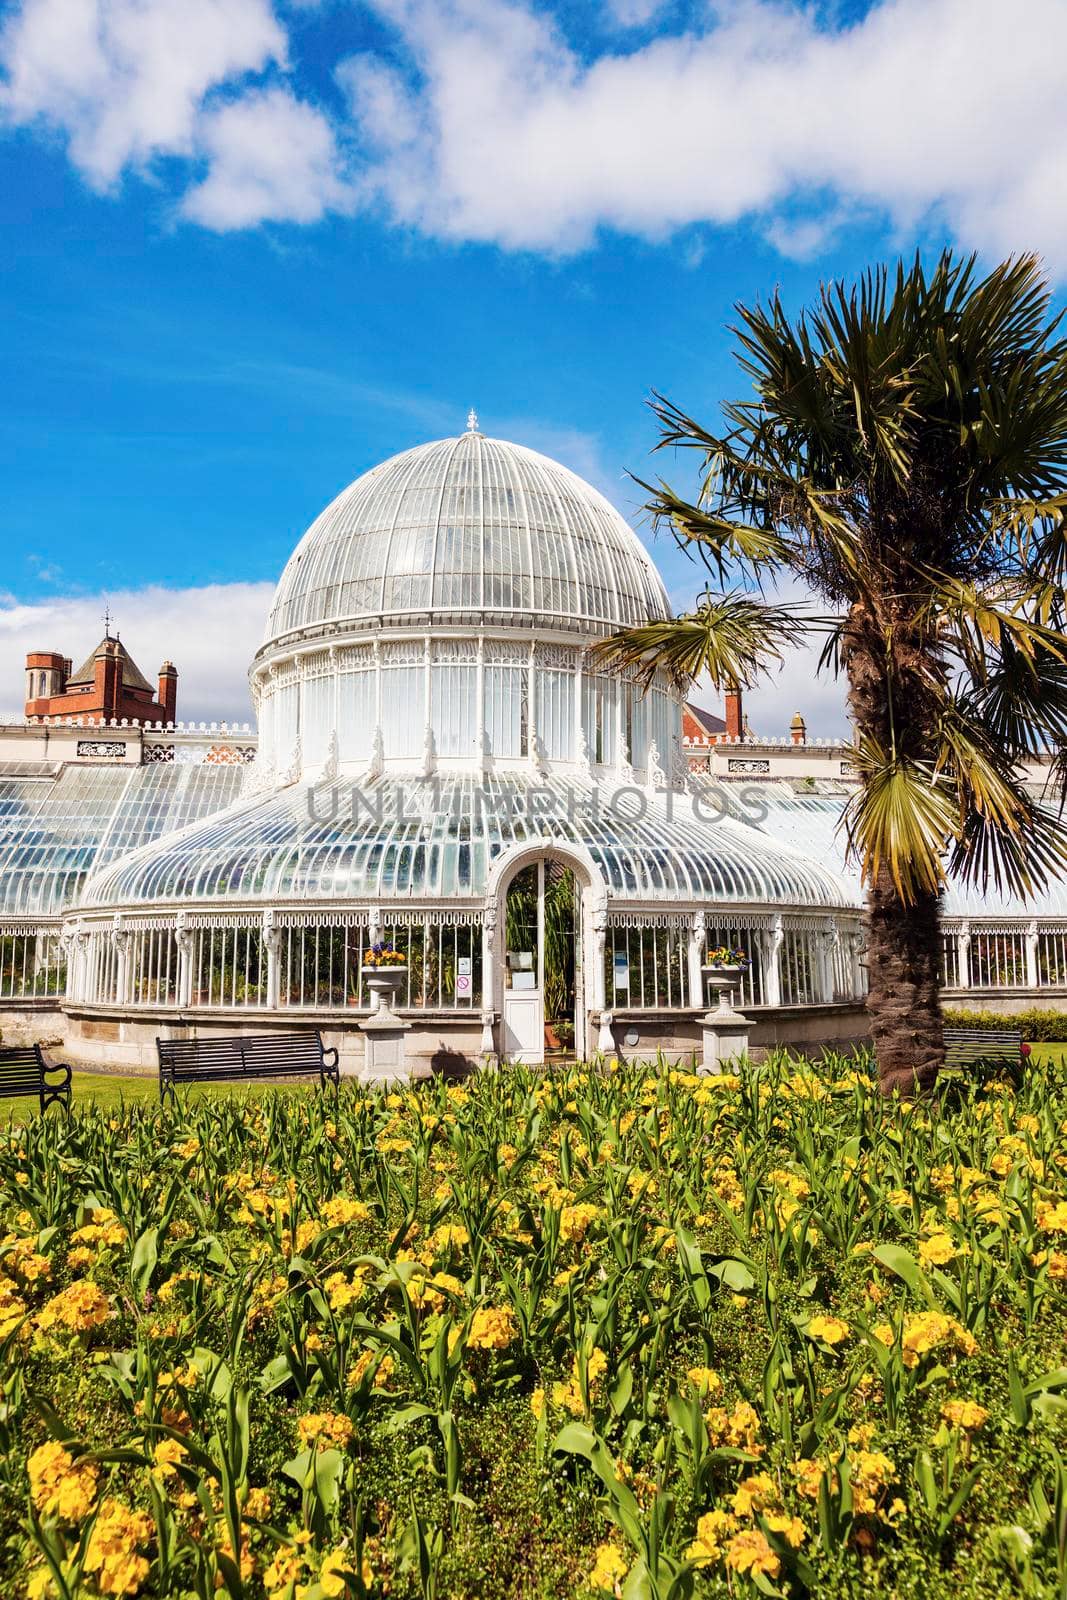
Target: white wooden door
x,y
524,1026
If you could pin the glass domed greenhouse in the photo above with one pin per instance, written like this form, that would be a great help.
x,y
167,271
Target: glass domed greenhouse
x,y
440,766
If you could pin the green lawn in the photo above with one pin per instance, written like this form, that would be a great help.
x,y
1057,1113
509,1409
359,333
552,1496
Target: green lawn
x,y
115,1089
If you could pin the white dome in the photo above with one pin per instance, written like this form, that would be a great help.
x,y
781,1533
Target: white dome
x,y
466,531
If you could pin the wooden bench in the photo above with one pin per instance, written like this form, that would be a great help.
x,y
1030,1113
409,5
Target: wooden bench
x,y
969,1047
26,1069
271,1055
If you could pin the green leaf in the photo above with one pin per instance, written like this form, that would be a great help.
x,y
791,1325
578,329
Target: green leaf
x,y
896,1259
143,1260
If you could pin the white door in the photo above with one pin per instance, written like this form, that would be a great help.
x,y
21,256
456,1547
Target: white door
x,y
524,1005
524,1026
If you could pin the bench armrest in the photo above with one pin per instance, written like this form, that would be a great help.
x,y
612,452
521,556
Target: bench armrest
x,y
332,1052
49,1066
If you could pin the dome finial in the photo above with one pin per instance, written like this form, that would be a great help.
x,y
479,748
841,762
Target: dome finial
x,y
472,421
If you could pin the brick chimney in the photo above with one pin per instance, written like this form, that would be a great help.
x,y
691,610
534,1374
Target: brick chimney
x,y
107,680
798,730
735,721
168,690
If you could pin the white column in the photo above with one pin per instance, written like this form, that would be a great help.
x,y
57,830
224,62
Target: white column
x,y
579,732
489,983
479,697
771,943
185,941
598,932
963,955
120,938
272,939
698,933
1033,976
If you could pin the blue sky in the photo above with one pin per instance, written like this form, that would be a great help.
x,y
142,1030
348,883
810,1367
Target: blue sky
x,y
253,249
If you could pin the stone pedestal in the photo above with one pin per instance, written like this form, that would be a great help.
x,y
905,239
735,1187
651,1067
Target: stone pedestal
x,y
725,1034
725,1031
385,1059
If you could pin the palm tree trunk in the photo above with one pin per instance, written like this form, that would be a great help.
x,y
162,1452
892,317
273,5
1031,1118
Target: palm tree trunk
x,y
903,999
903,936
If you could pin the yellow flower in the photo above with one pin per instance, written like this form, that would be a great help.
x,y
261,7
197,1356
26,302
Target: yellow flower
x,y
112,1554
537,1402
59,1486
791,1529
76,1309
280,1577
831,1330
575,1221
610,1567
925,1330
709,1545
363,1363
332,1580
706,1381
166,1455
965,1414
325,1429
754,1494
809,1475
1052,1218
12,1309
342,1293
749,1551
736,1428
937,1250
492,1328
342,1211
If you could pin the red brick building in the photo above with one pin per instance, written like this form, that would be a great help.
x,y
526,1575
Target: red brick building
x,y
700,728
108,687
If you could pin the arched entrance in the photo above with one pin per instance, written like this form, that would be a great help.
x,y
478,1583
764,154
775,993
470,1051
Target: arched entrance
x,y
542,902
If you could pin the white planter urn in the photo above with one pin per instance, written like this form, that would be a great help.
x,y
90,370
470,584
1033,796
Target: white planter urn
x,y
384,984
723,980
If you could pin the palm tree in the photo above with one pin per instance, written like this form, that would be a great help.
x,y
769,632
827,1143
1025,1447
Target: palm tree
x,y
905,458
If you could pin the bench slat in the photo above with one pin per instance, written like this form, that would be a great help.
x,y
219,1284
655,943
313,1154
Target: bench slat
x,y
277,1055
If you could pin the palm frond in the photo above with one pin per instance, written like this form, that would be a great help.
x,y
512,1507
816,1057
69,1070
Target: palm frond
x,y
730,638
901,821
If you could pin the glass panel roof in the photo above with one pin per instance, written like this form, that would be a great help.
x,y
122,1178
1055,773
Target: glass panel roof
x,y
439,842
473,526
54,830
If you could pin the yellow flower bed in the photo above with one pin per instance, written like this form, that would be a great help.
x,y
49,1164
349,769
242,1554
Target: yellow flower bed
x,y
614,1332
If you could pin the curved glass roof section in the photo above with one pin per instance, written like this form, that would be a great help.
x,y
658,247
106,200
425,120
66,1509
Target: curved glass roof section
x,y
811,823
462,530
428,840
55,829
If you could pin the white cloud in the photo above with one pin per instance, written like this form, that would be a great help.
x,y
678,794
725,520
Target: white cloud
x,y
478,120
635,13
210,633
270,157
124,80
520,142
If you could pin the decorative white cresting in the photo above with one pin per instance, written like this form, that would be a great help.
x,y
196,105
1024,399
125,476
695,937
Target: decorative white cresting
x,y
472,421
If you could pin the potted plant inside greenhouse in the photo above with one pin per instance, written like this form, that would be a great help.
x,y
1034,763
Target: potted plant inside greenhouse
x,y
723,971
385,969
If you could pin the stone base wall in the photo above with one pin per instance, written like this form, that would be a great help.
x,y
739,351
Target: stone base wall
x,y
123,1042
1006,1002
677,1034
108,1040
33,1022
